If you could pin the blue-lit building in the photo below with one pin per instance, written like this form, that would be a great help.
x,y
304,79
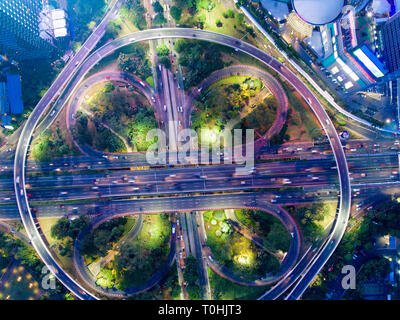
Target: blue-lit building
x,y
369,62
14,94
20,37
390,34
10,97
4,105
391,42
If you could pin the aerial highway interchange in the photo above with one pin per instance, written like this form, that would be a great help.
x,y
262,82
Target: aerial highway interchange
x,y
105,185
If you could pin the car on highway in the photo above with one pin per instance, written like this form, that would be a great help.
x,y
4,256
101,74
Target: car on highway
x,y
170,177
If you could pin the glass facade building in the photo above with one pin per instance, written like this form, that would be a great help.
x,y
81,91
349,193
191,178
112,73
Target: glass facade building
x,y
391,42
19,30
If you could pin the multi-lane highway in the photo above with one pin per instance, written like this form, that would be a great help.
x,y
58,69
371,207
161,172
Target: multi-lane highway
x,y
65,186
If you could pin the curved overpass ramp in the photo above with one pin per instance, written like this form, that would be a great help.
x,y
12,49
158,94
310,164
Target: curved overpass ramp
x,y
90,281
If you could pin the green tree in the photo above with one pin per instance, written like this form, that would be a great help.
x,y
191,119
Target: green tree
x,y
165,61
113,28
61,229
134,11
158,7
239,18
176,13
66,228
108,87
159,19
162,50
191,276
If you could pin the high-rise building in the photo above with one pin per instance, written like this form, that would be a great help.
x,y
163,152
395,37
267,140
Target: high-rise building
x,y
20,35
391,42
390,35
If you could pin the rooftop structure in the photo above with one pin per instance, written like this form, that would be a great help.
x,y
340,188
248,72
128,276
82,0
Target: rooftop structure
x,y
318,12
60,25
4,106
391,42
277,9
14,93
300,27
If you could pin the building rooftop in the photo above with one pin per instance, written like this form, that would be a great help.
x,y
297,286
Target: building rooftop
x,y
318,12
60,32
277,9
14,93
4,107
58,14
60,23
